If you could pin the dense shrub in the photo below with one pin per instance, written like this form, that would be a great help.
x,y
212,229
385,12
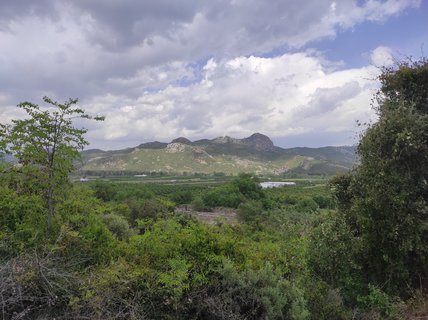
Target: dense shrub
x,y
250,211
118,225
223,196
384,201
251,294
307,204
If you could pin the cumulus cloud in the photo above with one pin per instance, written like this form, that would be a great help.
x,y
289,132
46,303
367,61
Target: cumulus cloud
x,y
289,95
382,57
164,68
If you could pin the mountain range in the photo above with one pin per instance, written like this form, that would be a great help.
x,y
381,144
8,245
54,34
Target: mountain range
x,y
256,154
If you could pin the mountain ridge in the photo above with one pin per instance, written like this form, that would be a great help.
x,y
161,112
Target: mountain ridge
x,y
256,153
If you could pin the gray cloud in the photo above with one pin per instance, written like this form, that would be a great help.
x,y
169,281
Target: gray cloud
x,y
133,53
325,100
14,9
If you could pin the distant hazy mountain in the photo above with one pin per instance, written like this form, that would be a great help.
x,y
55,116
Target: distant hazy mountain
x,y
255,154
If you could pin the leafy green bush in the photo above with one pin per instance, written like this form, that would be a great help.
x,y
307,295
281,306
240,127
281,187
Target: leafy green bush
x,y
118,225
223,196
324,302
249,211
384,200
109,191
22,222
146,208
331,255
379,305
182,197
198,204
249,186
307,204
323,202
250,294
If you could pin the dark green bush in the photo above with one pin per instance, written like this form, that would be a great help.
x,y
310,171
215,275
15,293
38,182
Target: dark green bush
x,y
251,294
249,211
223,196
307,204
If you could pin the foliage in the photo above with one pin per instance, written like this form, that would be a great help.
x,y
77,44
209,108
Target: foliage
x,y
223,196
323,202
234,296
243,188
47,141
108,191
182,197
22,223
307,205
382,219
331,254
250,211
117,250
324,302
198,204
380,304
249,186
117,225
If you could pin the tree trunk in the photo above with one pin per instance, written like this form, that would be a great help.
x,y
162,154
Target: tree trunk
x,y
50,200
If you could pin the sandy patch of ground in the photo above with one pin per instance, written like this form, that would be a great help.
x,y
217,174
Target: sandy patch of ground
x,y
217,214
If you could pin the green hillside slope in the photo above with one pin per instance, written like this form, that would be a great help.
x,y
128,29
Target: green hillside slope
x,y
223,154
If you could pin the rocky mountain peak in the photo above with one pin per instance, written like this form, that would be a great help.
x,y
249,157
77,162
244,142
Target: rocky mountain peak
x,y
259,142
181,140
225,139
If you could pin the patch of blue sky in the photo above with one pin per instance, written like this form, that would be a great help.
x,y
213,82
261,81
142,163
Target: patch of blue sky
x,y
406,35
197,76
278,51
152,89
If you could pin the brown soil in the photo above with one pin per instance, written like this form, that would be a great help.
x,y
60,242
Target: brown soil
x,y
220,214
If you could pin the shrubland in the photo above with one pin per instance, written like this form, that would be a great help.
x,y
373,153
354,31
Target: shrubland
x,y
354,248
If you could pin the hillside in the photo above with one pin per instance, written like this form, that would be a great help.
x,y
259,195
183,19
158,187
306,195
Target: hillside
x,y
255,154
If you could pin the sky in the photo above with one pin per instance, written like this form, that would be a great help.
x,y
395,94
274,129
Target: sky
x,y
301,72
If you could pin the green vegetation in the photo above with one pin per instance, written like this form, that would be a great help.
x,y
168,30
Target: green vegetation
x,y
46,144
219,156
383,203
351,248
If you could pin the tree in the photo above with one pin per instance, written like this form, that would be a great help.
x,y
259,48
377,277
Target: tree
x,y
384,201
48,142
249,186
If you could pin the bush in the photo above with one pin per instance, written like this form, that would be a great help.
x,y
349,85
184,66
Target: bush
x,y
182,197
249,186
307,205
118,225
249,211
331,255
384,200
251,294
223,196
323,202
146,208
379,305
22,222
324,302
198,204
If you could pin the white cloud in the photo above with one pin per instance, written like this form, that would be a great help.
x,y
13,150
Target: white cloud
x,y
283,96
141,64
382,57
